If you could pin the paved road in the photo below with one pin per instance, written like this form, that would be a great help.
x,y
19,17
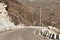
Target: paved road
x,y
19,34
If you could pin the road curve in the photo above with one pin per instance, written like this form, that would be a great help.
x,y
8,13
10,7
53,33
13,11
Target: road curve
x,y
19,34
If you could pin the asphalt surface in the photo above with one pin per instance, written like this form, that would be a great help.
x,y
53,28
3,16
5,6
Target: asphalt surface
x,y
19,34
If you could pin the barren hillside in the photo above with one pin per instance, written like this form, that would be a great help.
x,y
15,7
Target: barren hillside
x,y
28,12
49,10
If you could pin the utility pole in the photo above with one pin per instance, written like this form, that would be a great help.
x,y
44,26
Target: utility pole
x,y
40,17
51,17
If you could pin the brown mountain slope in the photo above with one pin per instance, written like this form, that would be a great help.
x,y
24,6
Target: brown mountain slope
x,y
28,12
21,13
